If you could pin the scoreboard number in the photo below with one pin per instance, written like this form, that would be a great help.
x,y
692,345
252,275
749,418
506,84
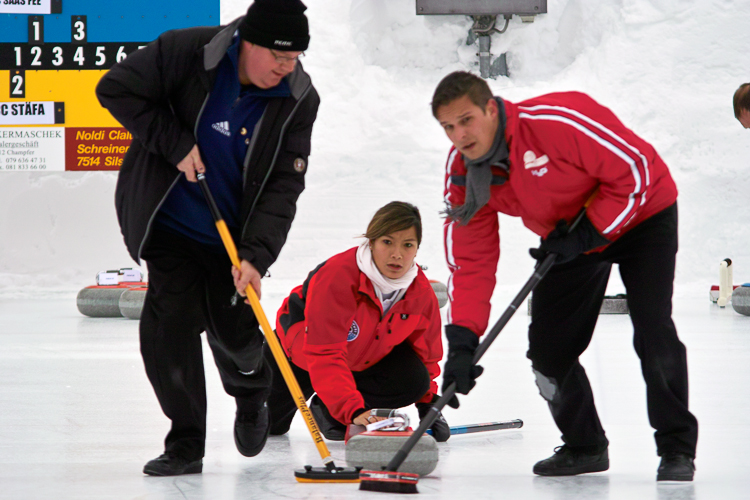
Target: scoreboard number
x,y
36,30
78,29
65,55
17,84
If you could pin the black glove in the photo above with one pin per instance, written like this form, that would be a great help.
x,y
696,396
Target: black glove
x,y
440,429
569,244
459,366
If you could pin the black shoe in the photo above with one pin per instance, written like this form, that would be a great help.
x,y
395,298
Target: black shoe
x,y
675,467
172,465
332,429
251,431
569,462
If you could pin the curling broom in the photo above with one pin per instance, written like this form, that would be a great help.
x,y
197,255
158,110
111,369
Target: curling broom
x,y
330,473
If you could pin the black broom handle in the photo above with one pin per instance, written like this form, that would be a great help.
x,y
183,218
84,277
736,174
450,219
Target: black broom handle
x,y
539,272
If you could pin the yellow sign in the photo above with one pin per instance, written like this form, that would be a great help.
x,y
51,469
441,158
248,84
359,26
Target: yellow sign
x,y
75,88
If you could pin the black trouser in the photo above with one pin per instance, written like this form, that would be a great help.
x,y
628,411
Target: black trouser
x,y
190,290
564,311
397,380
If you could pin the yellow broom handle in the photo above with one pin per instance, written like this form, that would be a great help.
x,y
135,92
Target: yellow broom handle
x,y
278,352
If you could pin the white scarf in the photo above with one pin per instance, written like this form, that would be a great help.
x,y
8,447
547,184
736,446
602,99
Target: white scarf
x,y
380,283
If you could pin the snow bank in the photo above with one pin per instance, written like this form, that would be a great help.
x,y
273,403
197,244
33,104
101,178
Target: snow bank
x,y
667,68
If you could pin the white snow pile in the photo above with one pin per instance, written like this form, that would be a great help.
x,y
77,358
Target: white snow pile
x,y
667,68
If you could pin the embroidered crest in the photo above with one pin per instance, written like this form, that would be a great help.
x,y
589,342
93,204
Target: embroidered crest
x,y
353,332
531,161
299,165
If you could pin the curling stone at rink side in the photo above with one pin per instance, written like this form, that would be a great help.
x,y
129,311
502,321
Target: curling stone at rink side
x,y
441,292
131,302
741,299
103,299
612,304
100,301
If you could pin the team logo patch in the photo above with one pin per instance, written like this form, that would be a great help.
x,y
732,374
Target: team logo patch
x,y
353,332
531,161
299,165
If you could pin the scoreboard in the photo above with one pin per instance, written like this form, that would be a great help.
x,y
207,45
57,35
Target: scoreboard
x,y
52,55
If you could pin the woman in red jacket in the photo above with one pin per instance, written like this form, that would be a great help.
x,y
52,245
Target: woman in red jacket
x,y
362,331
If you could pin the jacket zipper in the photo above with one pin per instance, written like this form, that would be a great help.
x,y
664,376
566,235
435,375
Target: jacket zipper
x,y
273,160
375,337
251,147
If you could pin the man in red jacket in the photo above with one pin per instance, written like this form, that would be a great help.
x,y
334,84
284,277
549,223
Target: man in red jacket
x,y
541,160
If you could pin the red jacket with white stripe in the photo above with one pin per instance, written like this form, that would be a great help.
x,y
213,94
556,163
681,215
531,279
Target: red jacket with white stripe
x,y
562,147
333,324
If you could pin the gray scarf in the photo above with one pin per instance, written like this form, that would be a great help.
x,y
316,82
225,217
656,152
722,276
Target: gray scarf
x,y
479,174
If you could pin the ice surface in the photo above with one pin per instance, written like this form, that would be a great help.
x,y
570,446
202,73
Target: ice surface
x,y
78,419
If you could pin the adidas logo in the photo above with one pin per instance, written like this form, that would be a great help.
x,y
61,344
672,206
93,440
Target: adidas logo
x,y
222,127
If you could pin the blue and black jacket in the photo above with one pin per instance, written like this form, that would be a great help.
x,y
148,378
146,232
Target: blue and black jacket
x,y
159,92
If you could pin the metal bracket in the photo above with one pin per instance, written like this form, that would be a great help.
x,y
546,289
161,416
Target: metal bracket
x,y
484,13
483,24
482,29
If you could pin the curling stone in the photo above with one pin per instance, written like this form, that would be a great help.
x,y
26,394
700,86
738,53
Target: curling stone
x,y
373,450
103,299
612,304
741,299
615,304
99,301
131,302
441,292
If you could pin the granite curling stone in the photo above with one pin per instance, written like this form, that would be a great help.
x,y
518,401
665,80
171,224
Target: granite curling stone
x,y
131,302
373,450
612,304
100,301
441,292
741,299
103,301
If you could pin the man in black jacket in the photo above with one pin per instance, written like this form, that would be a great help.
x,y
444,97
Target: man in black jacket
x,y
232,102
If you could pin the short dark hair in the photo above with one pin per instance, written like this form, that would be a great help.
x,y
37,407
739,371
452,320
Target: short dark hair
x,y
741,99
457,85
393,217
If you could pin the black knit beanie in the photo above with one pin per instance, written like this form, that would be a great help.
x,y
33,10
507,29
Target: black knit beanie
x,y
276,24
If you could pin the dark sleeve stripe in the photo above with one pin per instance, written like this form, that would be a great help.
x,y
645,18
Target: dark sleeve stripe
x,y
297,303
460,180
